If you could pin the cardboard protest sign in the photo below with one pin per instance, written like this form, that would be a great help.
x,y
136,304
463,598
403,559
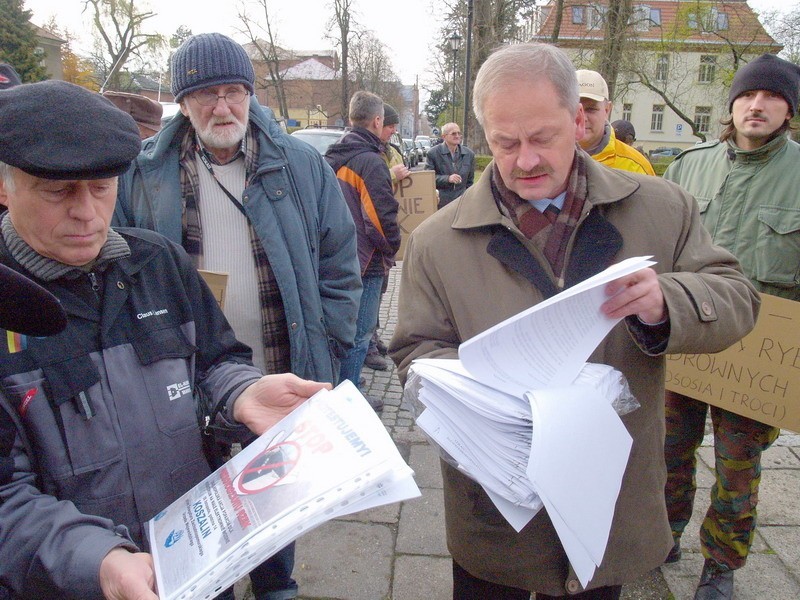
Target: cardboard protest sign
x,y
758,377
217,282
417,197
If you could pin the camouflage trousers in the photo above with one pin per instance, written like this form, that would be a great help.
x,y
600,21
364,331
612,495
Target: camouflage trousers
x,y
729,525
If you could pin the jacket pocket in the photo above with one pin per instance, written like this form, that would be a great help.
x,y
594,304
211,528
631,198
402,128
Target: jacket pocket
x,y
71,426
702,204
777,252
165,358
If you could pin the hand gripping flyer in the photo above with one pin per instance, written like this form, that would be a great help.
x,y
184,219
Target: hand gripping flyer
x,y
331,456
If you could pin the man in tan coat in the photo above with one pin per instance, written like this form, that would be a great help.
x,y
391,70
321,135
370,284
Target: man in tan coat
x,y
499,237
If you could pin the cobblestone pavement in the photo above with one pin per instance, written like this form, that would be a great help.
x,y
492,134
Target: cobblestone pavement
x,y
399,552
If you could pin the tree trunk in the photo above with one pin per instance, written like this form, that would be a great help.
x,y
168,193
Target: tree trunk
x,y
616,25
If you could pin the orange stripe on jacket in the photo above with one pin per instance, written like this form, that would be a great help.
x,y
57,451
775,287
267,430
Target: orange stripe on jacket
x,y
350,177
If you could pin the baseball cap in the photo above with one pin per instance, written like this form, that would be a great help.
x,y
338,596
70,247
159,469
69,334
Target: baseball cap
x,y
591,85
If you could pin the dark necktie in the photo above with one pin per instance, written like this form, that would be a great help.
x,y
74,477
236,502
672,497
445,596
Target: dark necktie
x,y
551,212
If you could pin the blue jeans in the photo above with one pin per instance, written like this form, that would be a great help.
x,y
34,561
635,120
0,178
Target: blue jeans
x,y
353,361
271,580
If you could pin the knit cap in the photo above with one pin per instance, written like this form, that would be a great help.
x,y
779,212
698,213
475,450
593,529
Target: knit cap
x,y
390,116
207,60
767,72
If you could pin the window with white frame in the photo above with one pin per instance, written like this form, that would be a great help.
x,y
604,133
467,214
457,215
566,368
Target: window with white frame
x,y
708,68
662,68
39,53
578,14
627,111
597,16
657,118
655,16
702,118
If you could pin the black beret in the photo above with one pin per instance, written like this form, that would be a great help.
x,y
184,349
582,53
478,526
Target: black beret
x,y
58,130
28,308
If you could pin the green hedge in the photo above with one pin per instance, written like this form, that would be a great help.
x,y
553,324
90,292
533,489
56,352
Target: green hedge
x,y
481,160
660,164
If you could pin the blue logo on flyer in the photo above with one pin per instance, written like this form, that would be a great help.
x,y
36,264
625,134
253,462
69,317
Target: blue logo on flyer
x,y
173,538
159,515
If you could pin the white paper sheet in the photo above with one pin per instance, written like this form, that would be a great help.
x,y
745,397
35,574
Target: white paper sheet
x,y
546,345
577,432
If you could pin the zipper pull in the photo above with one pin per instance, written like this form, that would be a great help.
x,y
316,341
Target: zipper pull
x,y
93,281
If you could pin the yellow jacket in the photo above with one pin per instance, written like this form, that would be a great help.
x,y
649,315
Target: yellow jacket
x,y
618,155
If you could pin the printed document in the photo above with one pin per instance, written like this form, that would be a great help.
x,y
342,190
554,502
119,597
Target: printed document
x,y
523,414
330,457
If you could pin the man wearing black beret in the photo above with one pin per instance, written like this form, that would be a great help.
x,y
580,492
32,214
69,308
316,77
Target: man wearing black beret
x,y
746,184
97,439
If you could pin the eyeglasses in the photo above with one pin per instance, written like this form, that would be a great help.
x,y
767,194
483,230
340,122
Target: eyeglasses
x,y
209,98
458,133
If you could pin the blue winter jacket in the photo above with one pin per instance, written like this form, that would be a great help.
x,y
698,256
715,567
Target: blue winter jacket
x,y
296,207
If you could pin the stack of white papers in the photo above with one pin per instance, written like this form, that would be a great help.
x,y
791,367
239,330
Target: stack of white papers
x,y
330,457
524,415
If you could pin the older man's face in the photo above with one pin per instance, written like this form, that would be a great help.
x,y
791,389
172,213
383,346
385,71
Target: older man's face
x,y
64,220
220,123
532,138
387,131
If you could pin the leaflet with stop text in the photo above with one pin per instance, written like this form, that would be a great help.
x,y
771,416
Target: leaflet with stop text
x,y
330,456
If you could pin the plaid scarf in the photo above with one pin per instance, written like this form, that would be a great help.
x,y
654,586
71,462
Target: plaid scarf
x,y
274,333
552,237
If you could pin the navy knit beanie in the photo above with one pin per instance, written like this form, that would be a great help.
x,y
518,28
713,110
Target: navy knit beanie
x,y
209,59
390,116
767,72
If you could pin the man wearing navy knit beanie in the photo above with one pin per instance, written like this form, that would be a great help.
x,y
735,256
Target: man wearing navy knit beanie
x,y
746,183
244,198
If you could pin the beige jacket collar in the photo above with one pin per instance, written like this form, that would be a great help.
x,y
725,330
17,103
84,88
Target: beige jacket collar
x,y
605,186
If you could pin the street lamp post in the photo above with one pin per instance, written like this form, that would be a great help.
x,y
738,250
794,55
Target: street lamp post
x,y
455,46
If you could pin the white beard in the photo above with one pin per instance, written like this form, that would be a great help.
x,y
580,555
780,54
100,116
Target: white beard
x,y
222,139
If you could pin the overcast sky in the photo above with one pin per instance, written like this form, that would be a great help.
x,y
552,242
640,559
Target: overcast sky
x,y
407,27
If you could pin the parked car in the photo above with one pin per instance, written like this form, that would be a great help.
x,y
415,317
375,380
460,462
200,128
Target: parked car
x,y
320,137
420,151
426,143
665,152
410,152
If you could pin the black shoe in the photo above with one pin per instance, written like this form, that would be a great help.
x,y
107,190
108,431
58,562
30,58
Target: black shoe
x,y
375,361
674,554
383,350
716,583
375,403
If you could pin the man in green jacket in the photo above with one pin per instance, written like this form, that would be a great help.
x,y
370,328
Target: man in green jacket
x,y
746,185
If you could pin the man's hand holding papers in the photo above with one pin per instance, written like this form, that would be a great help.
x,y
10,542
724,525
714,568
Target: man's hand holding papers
x,y
524,415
